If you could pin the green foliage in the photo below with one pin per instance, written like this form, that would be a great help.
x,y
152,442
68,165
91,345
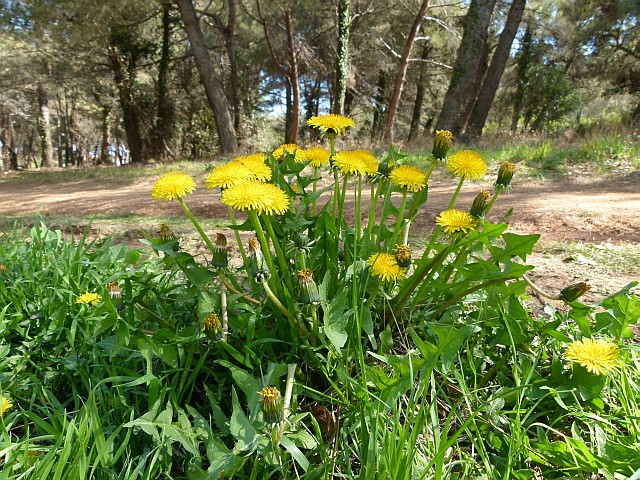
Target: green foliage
x,y
441,371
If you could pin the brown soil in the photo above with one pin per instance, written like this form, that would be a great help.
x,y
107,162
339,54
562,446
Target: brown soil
x,y
573,210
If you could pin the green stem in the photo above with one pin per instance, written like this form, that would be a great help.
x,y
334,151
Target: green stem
x,y
266,251
343,194
469,291
455,194
383,213
336,192
279,252
300,328
357,200
400,218
539,291
315,175
491,202
414,206
197,225
234,290
373,205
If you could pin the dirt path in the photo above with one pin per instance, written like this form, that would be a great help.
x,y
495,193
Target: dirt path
x,y
568,211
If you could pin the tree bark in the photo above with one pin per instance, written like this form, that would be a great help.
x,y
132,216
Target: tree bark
x,y
379,103
342,59
468,59
474,88
232,42
165,109
6,131
294,79
417,105
496,69
402,71
129,110
212,85
524,58
104,144
45,127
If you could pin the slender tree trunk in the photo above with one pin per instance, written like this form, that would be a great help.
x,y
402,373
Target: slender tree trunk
x,y
379,103
6,139
496,69
402,71
468,59
294,78
288,114
60,145
342,59
165,116
104,145
417,105
232,42
524,58
129,111
212,84
45,127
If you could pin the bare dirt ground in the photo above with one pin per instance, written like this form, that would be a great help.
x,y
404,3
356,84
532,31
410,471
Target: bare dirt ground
x,y
600,211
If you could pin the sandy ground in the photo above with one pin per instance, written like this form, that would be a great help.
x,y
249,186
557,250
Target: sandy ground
x,y
594,211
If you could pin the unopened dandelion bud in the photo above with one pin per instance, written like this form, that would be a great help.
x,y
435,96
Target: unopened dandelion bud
x,y
116,295
3,268
212,327
386,167
301,240
165,233
442,144
259,268
309,294
480,204
403,256
505,174
271,405
573,292
220,257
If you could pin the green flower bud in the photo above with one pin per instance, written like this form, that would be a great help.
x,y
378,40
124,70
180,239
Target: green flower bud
x,y
271,405
309,294
573,292
442,144
116,295
165,233
259,268
403,256
220,257
505,174
386,167
480,204
212,326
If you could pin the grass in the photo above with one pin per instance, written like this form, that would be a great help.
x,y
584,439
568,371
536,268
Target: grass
x,y
606,257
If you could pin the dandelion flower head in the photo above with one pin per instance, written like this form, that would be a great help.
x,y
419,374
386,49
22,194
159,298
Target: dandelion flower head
x,y
350,163
409,177
88,298
467,164
255,163
336,124
256,196
370,161
318,156
454,221
292,149
5,405
172,186
598,356
385,266
228,174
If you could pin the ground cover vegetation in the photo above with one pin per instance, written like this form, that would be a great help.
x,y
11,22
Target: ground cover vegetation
x,y
330,346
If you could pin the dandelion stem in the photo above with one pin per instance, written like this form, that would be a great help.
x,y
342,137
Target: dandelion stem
x,y
315,175
279,252
400,219
238,239
223,307
234,290
539,291
266,251
455,194
300,328
357,200
414,206
383,213
196,224
288,393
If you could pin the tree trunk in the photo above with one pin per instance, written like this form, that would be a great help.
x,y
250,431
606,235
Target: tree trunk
x,y
129,111
45,127
379,103
524,58
104,145
417,105
288,114
6,139
402,71
231,43
468,60
342,59
212,85
294,79
474,87
165,115
496,69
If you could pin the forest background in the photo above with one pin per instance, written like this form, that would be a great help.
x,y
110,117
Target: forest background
x,y
112,82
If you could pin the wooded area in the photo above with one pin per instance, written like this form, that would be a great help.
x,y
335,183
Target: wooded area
x,y
114,81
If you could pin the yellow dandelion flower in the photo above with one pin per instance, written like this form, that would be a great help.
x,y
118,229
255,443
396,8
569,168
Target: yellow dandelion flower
x,y
409,177
350,163
228,174
292,149
335,124
597,356
370,161
467,164
88,298
256,196
454,221
318,156
255,163
173,185
5,405
385,266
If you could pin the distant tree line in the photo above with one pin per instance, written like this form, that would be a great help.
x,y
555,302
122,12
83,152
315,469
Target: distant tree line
x,y
116,81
